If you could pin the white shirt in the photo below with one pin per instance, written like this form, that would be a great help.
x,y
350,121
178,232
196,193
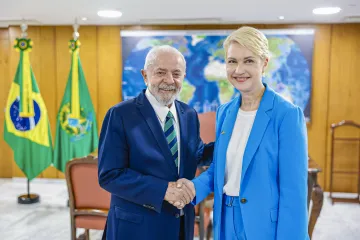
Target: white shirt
x,y
235,151
161,112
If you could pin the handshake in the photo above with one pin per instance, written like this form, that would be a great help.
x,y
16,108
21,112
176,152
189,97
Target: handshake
x,y
180,193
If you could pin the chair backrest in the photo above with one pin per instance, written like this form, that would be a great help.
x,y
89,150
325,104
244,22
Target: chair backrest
x,y
207,126
83,186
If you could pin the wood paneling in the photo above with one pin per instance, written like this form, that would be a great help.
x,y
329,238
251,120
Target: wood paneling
x,y
317,129
344,99
335,89
47,82
88,56
63,61
110,65
5,151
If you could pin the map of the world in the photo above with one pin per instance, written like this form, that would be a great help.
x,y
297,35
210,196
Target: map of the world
x,y
206,86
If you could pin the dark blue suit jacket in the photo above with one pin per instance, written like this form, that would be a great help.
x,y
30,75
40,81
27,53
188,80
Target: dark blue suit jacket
x,y
135,166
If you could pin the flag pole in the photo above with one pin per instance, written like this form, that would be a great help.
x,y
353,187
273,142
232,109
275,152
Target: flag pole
x,y
76,26
28,188
27,198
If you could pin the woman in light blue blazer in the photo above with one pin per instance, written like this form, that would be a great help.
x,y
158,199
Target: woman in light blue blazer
x,y
259,171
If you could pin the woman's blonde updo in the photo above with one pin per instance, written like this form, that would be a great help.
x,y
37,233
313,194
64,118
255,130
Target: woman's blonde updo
x,y
252,39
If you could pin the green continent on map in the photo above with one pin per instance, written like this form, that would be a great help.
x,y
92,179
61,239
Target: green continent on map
x,y
226,90
280,48
187,91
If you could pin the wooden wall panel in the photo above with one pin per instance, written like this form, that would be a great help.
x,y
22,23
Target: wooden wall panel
x,y
5,81
47,82
110,65
63,62
344,100
317,129
88,55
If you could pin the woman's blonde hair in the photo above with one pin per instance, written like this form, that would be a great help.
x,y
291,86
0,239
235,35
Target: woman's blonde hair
x,y
252,39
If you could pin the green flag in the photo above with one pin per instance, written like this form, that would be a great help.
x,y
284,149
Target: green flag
x,y
26,127
76,128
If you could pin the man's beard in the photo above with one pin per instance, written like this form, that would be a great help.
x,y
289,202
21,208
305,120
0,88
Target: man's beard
x,y
164,98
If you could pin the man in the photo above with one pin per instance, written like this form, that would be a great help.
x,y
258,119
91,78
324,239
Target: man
x,y
146,145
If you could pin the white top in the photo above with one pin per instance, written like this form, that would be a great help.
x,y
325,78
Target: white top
x,y
161,112
235,151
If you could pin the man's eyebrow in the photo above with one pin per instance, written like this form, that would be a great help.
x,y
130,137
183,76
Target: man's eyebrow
x,y
161,69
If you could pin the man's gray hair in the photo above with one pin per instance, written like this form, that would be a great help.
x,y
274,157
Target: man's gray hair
x,y
154,52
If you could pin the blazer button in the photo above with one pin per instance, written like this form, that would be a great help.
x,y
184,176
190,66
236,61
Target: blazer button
x,y
177,215
243,200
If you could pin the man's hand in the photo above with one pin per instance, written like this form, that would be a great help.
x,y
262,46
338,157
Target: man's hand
x,y
177,196
187,186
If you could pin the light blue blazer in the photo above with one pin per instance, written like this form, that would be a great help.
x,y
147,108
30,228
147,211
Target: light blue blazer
x,y
273,188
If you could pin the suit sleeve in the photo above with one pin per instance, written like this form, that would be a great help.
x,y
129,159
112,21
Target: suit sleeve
x,y
293,165
114,173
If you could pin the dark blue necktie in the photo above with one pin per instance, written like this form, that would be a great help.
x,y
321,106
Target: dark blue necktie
x,y
170,135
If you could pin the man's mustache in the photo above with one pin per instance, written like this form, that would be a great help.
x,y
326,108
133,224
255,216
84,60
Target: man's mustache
x,y
167,87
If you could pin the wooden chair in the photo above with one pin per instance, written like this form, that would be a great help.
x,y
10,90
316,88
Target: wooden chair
x,y
203,225
89,203
347,133
207,126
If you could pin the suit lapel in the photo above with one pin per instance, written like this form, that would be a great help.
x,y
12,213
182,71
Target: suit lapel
x,y
151,119
183,136
224,139
258,129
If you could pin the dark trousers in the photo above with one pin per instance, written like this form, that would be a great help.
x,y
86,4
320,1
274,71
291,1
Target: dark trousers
x,y
182,228
181,234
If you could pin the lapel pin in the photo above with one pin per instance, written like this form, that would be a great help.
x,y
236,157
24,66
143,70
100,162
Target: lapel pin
x,y
222,132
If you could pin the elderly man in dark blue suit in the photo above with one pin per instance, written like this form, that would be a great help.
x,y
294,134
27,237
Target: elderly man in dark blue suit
x,y
146,145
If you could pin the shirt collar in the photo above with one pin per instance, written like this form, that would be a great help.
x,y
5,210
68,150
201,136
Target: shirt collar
x,y
160,110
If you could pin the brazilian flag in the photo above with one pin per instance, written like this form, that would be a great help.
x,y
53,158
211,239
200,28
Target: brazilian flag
x,y
26,127
76,128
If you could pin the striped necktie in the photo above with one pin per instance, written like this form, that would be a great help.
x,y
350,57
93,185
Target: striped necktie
x,y
170,135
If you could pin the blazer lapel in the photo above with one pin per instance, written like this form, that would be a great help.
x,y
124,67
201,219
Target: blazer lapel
x,y
258,129
151,119
224,139
183,137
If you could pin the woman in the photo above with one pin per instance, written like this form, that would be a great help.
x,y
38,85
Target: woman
x,y
259,172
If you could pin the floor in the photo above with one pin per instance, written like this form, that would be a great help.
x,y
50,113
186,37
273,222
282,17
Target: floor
x,y
49,219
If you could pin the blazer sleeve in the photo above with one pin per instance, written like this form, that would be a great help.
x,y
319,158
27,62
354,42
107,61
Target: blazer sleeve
x,y
293,166
204,184
114,173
